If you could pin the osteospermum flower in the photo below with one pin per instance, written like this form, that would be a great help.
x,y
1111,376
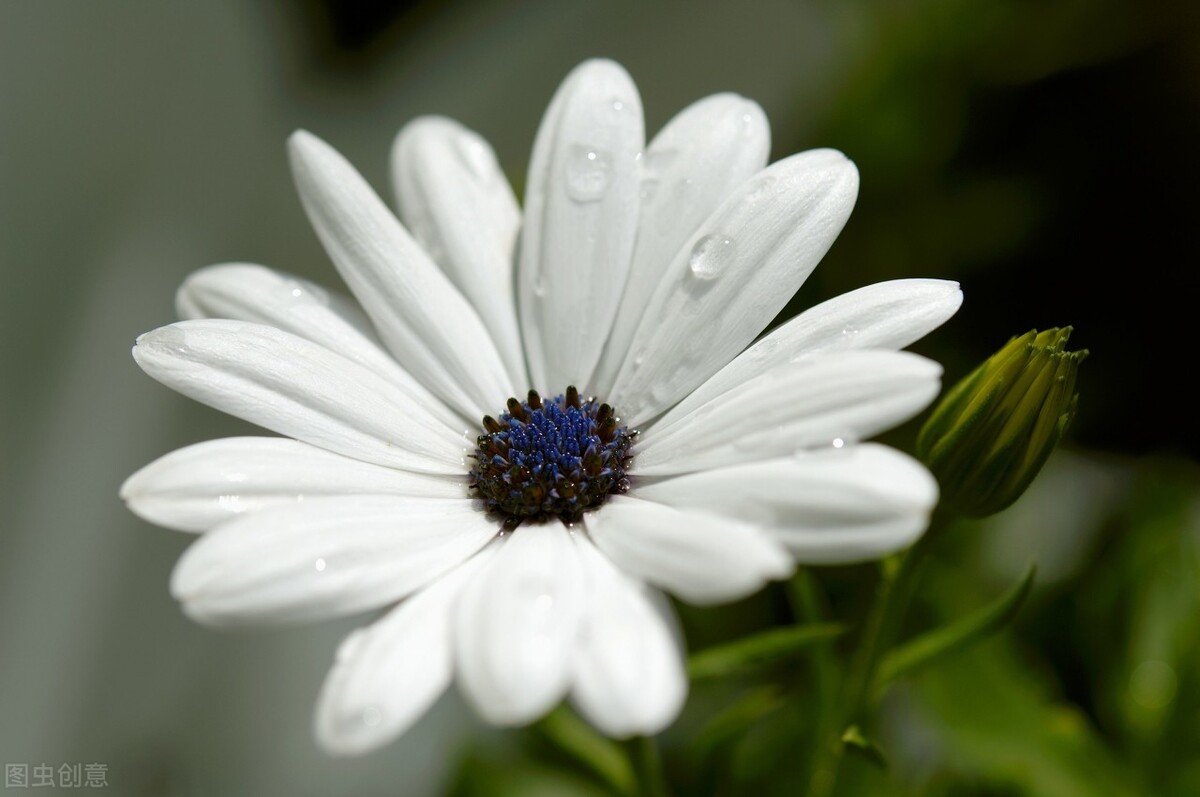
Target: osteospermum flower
x,y
511,448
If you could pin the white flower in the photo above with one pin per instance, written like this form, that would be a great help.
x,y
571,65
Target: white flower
x,y
642,272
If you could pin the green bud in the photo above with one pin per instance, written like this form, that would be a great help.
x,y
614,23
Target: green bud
x,y
991,434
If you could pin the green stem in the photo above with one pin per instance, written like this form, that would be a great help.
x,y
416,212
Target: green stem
x,y
888,615
598,755
647,767
894,594
808,607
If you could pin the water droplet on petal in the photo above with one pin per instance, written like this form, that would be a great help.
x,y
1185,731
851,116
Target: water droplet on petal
x,y
649,188
351,645
231,503
473,154
170,338
838,442
662,391
319,565
588,170
372,715
760,189
763,349
849,332
749,124
710,256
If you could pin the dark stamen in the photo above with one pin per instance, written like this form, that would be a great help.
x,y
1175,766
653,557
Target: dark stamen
x,y
516,410
552,458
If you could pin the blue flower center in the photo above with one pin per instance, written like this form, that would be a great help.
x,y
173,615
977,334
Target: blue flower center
x,y
546,459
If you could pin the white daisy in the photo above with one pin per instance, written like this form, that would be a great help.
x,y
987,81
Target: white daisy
x,y
522,556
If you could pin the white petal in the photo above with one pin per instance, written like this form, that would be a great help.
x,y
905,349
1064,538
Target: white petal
x,y
459,206
250,292
812,402
733,276
887,315
699,557
690,167
387,676
325,557
428,325
297,388
629,676
517,625
247,292
581,206
203,485
859,503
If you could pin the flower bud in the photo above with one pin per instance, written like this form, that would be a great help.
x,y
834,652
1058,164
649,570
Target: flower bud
x,y
993,431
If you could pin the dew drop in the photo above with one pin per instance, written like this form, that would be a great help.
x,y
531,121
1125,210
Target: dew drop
x,y
649,188
760,189
473,154
588,172
372,715
839,442
617,105
748,124
763,349
231,503
351,645
319,565
659,160
171,338
710,256
662,391
849,332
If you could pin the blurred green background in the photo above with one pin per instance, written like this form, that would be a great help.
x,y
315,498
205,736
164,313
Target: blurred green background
x,y
1042,152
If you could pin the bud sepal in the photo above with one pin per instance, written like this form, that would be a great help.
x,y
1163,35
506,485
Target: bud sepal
x,y
993,431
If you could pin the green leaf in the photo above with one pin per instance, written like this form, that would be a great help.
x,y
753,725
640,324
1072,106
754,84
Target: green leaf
x,y
958,635
759,650
600,756
857,743
731,724
483,774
